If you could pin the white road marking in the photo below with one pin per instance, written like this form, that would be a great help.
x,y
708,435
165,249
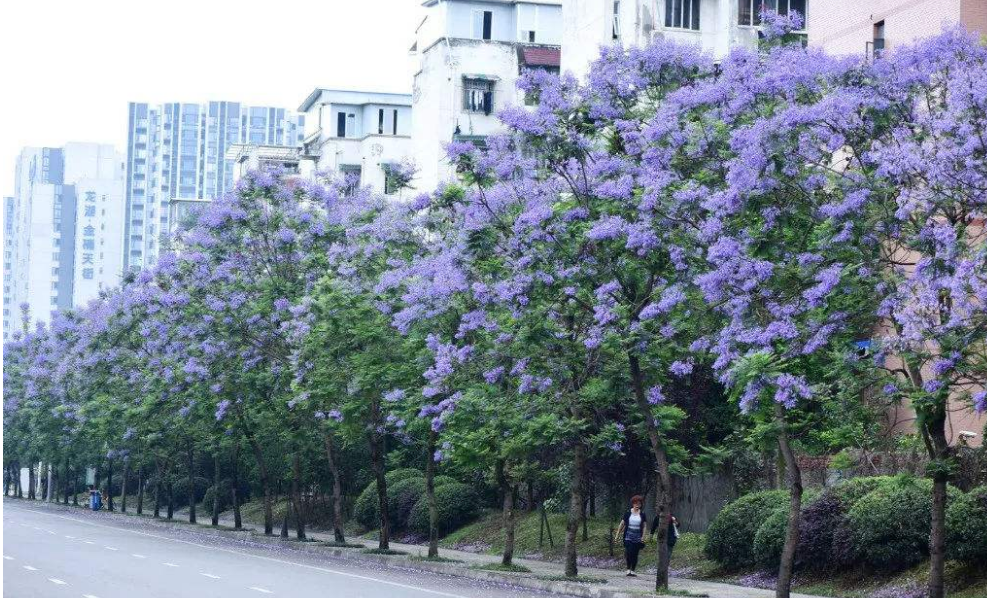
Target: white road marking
x,y
249,555
169,564
29,568
110,548
8,558
209,575
57,582
261,590
88,542
89,596
138,556
70,537
50,532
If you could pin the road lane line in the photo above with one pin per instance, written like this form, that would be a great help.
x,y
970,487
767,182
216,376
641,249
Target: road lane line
x,y
138,556
89,596
248,554
88,542
169,564
57,582
8,558
261,590
209,575
70,537
29,568
110,548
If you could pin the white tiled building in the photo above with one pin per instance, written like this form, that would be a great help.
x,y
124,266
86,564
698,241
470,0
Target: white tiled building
x,y
714,25
470,55
357,133
64,229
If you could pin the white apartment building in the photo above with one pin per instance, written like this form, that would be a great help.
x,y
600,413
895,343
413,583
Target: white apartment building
x,y
470,55
64,229
714,25
361,134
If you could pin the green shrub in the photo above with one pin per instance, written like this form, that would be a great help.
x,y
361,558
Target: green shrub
x,y
889,526
366,509
442,480
966,526
393,477
770,538
401,498
224,498
730,537
852,490
457,506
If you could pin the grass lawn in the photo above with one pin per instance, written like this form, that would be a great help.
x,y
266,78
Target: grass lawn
x,y
486,536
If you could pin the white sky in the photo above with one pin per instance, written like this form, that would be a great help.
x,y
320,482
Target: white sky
x,y
69,67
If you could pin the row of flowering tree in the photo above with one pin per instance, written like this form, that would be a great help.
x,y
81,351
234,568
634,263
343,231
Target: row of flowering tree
x,y
761,218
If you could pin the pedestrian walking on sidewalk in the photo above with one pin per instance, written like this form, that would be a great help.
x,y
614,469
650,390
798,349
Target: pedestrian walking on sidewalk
x,y
631,529
95,499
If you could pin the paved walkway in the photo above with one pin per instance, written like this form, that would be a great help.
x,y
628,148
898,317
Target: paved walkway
x,y
616,580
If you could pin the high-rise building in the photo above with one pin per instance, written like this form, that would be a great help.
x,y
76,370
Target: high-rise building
x,y
471,53
179,152
868,28
714,25
63,229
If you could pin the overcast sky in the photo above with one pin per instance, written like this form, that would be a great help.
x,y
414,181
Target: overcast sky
x,y
69,67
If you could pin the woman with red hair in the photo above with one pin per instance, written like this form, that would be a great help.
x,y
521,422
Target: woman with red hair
x,y
632,531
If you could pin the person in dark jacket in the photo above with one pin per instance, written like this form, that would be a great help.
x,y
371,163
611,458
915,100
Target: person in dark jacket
x,y
673,533
631,529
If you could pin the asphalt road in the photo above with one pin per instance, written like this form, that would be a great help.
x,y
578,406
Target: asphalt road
x,y
75,553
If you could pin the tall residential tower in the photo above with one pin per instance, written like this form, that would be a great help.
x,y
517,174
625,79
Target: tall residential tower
x,y
176,153
64,229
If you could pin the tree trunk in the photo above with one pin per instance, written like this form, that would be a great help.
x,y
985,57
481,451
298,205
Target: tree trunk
x,y
265,481
123,487
215,487
940,454
191,483
157,497
337,492
171,499
50,483
786,569
30,481
109,485
663,485
433,509
75,495
140,488
576,489
68,480
377,461
235,486
509,522
530,506
18,486
296,494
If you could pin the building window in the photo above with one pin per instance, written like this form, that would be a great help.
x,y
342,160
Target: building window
x,y
878,43
478,95
380,121
392,179
394,123
750,10
341,124
482,24
616,18
682,14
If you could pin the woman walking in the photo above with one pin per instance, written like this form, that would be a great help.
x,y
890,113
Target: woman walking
x,y
631,529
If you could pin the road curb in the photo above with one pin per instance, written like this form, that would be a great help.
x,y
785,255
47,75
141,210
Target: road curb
x,y
355,555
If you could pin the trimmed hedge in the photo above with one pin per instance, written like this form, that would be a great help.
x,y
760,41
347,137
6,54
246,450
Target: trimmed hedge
x,y
457,506
401,498
890,525
730,537
966,526
770,538
366,509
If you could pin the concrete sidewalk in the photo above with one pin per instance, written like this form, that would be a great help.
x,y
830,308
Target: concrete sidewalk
x,y
617,583
544,576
